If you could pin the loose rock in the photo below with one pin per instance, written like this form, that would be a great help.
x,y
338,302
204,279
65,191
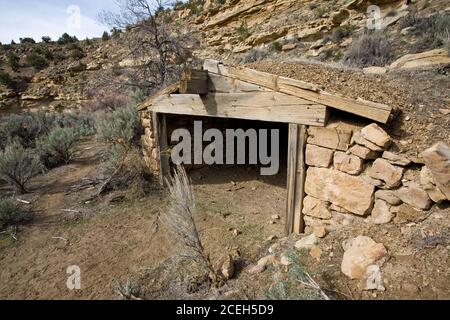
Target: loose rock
x,y
412,194
376,135
391,175
360,253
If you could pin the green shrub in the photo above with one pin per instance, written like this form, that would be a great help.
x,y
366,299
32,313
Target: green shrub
x,y
5,78
11,213
66,38
122,126
37,61
106,36
370,49
13,60
18,165
76,54
27,40
82,123
342,32
137,96
433,32
276,46
57,147
243,31
21,128
46,39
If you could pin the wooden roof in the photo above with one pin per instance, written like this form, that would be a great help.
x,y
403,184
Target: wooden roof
x,y
237,92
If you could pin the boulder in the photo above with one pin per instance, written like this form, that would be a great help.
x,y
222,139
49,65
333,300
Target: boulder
x,y
383,170
437,159
306,242
429,185
228,268
331,138
363,152
426,59
389,196
320,231
407,214
381,213
316,208
344,190
376,135
317,156
412,194
289,47
360,253
347,163
396,159
359,139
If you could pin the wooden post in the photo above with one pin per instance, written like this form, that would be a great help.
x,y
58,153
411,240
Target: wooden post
x,y
295,179
160,128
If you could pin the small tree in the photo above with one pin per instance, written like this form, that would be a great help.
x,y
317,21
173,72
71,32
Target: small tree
x,y
18,165
153,37
13,60
106,36
5,78
27,40
46,39
66,38
37,61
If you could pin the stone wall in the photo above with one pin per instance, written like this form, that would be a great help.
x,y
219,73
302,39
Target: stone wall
x,y
148,143
352,175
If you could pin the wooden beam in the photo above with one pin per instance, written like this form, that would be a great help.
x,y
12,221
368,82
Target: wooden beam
x,y
371,110
264,106
160,129
299,225
221,84
291,178
295,179
194,86
193,74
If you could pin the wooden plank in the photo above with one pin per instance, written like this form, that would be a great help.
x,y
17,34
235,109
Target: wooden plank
x,y
264,106
194,86
222,84
371,110
298,224
291,178
193,74
160,130
167,90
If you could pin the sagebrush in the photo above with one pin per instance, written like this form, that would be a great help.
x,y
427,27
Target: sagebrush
x,y
370,49
11,213
58,146
18,165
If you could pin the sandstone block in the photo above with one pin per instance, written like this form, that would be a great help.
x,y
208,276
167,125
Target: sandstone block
x,y
348,163
317,156
382,170
346,191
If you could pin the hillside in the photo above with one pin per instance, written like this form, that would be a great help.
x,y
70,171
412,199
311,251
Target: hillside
x,y
67,75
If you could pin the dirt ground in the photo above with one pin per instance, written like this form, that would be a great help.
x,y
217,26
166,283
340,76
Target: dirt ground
x,y
113,240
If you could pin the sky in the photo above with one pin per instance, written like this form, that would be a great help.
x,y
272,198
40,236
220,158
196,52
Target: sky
x,y
27,18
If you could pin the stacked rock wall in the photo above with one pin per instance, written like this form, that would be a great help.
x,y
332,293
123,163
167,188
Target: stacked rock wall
x,y
148,143
352,175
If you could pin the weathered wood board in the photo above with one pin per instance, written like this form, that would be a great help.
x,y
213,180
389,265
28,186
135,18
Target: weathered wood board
x,y
263,106
371,110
